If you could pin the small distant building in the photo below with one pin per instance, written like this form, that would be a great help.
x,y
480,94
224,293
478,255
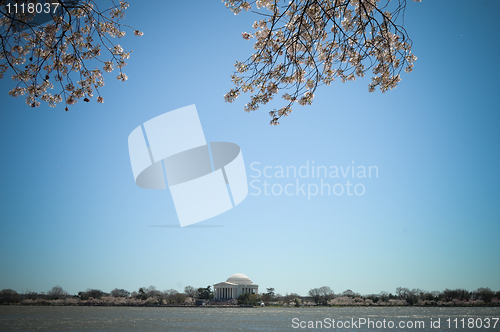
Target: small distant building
x,y
200,302
234,286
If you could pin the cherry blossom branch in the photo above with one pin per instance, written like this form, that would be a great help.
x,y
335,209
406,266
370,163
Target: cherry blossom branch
x,y
307,43
60,49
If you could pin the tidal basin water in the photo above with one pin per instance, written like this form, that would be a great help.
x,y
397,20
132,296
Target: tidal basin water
x,y
29,318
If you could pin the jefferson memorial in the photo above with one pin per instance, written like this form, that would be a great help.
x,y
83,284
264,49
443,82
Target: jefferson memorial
x,y
234,286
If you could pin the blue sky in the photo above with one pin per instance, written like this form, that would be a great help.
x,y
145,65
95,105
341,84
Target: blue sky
x,y
71,214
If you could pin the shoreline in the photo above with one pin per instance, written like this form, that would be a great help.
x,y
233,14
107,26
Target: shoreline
x,y
239,306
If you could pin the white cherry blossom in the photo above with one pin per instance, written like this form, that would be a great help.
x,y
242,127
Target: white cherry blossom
x,y
59,50
301,44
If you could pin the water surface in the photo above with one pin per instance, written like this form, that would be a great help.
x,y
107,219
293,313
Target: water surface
x,y
29,318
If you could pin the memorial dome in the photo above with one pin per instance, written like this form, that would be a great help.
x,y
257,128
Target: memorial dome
x,y
240,279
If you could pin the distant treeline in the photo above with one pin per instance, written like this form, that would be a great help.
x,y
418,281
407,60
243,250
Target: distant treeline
x,y
191,296
404,296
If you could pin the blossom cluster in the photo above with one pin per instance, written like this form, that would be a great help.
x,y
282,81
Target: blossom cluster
x,y
60,50
301,44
